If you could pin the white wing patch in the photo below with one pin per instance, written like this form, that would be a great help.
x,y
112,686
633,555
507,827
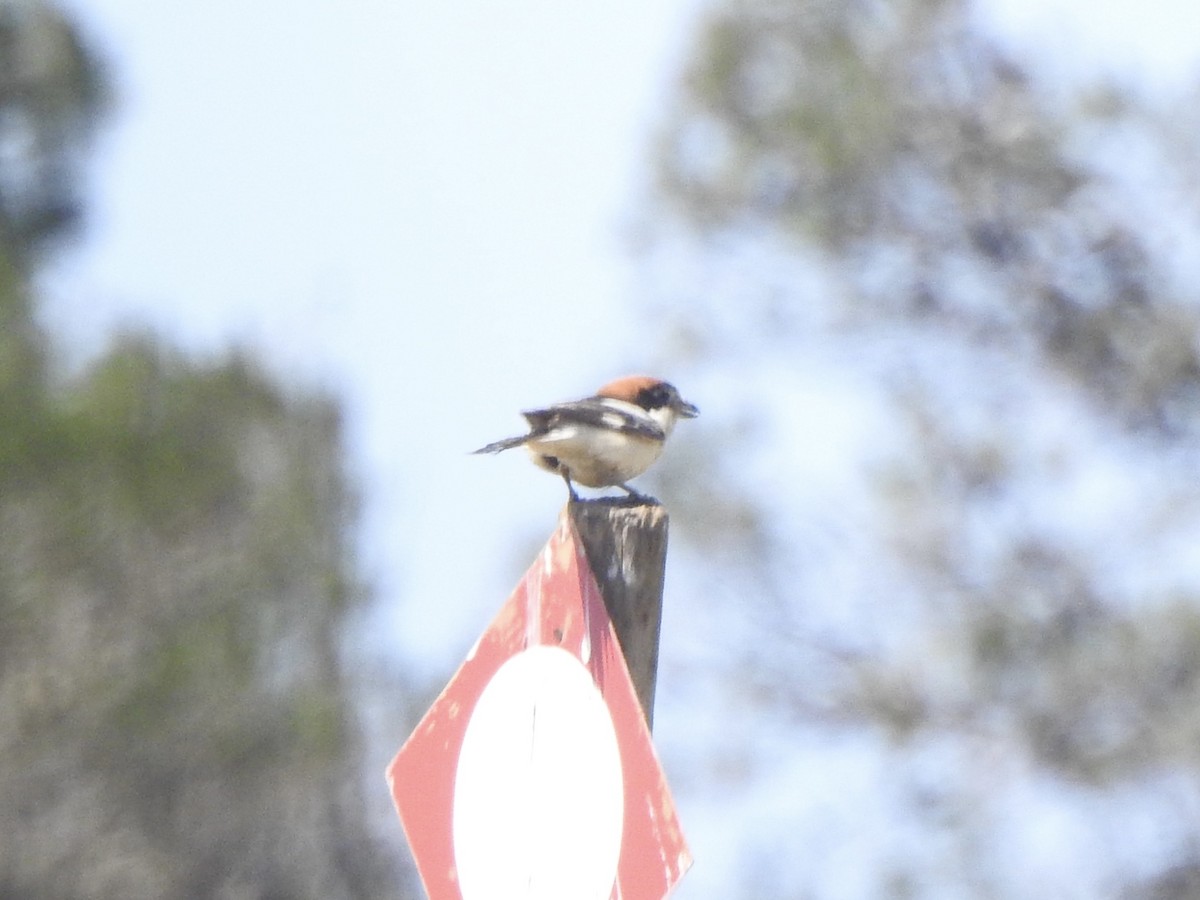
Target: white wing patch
x,y
564,433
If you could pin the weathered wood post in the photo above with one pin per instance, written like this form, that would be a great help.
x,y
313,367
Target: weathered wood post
x,y
626,546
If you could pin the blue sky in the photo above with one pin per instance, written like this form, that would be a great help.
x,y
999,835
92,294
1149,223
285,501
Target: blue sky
x,y
419,205
424,207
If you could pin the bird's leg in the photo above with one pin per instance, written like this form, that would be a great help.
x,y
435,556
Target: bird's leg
x,y
636,495
566,474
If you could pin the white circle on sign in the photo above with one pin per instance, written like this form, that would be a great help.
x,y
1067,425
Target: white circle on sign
x,y
538,794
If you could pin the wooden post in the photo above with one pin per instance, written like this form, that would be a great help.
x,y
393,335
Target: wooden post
x,y
626,546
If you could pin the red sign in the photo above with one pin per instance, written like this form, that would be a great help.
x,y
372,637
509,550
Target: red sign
x,y
533,774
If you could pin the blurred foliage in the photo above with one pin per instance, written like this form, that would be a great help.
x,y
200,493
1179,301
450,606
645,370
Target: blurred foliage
x,y
53,92
175,580
1007,268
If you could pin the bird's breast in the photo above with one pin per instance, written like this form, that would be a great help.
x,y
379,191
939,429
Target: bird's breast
x,y
595,457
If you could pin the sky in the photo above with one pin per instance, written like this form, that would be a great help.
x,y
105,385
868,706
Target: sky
x,y
419,205
425,208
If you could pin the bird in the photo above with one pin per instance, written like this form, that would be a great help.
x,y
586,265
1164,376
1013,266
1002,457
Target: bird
x,y
606,439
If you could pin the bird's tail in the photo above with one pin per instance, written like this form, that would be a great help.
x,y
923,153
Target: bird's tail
x,y
506,444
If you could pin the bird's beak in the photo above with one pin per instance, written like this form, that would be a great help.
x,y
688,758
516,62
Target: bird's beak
x,y
687,410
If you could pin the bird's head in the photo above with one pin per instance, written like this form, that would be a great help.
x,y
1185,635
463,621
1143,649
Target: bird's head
x,y
658,398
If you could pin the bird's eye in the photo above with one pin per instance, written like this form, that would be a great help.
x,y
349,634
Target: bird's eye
x,y
659,395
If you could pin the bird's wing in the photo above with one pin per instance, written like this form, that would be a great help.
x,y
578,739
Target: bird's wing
x,y
596,413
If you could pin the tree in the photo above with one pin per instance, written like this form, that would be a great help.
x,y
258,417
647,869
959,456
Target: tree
x,y
996,284
176,578
53,93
